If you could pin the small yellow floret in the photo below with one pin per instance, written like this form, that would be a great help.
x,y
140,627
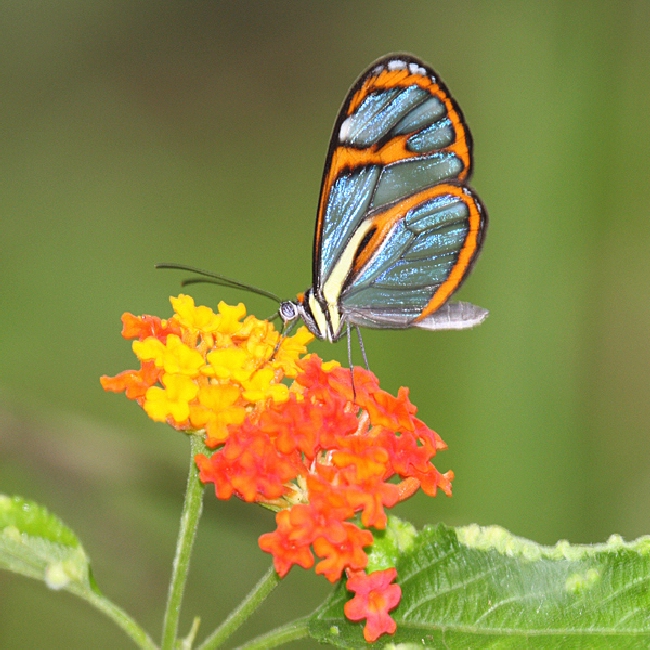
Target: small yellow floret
x,y
196,319
172,400
150,349
230,317
290,350
180,358
218,397
258,330
229,363
260,386
217,408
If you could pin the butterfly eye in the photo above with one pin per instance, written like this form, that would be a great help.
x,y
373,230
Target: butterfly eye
x,y
288,311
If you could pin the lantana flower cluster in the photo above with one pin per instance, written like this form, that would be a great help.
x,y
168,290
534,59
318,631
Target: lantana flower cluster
x,y
329,453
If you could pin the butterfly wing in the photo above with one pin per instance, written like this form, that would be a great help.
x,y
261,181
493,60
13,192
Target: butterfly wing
x,y
397,229
451,316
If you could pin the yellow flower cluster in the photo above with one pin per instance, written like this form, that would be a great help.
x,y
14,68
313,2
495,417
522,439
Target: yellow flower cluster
x,y
218,368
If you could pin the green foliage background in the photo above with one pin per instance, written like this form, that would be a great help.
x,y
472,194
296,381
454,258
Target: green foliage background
x,y
139,132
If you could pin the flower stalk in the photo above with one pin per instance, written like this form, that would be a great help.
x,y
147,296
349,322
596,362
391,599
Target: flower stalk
x,y
238,616
294,631
190,516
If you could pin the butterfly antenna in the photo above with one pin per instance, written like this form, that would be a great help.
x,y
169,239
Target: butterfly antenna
x,y
214,278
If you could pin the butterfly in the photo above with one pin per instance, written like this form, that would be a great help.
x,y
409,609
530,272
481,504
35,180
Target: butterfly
x,y
397,229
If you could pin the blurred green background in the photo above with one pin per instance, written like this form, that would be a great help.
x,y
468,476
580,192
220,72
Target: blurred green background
x,y
140,132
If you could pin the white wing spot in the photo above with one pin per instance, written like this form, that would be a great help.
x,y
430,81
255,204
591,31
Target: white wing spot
x,y
396,64
344,131
414,68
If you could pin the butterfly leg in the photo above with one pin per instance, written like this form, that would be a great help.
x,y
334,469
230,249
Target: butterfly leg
x,y
350,364
363,350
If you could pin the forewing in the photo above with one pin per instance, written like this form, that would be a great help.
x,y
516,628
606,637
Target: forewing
x,y
398,133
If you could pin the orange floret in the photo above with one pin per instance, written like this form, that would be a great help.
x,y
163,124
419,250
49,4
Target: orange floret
x,y
374,597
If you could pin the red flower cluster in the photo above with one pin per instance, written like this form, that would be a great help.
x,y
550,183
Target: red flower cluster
x,y
322,458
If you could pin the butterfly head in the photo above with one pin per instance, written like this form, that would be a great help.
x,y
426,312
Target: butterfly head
x,y
288,312
315,314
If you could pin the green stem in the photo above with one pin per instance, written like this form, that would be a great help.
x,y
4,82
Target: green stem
x,y
298,629
120,617
253,600
189,523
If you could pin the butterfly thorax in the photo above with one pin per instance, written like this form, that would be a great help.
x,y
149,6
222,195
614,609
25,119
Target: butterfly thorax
x,y
322,318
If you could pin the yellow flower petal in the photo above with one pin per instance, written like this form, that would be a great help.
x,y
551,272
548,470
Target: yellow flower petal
x,y
216,410
180,387
172,401
296,345
261,386
291,349
156,404
151,349
201,319
278,392
228,363
219,397
217,428
180,358
230,317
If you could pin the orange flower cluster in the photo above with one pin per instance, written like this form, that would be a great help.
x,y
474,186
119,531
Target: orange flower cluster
x,y
320,452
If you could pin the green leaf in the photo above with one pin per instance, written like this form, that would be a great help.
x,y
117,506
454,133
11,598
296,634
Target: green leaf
x,y
36,544
477,587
